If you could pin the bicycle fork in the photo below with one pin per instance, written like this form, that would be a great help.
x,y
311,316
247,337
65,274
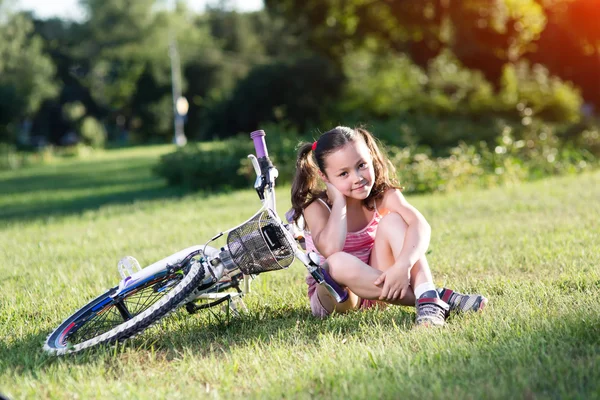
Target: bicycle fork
x,y
320,274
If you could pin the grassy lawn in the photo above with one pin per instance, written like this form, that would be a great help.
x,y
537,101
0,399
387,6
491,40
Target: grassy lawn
x,y
531,248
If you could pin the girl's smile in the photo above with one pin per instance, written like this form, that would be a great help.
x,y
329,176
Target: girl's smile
x,y
362,187
350,170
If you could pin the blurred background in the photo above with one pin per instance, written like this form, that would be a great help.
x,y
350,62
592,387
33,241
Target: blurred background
x,y
461,92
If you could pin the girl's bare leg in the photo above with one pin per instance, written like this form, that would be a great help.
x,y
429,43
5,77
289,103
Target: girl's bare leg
x,y
358,277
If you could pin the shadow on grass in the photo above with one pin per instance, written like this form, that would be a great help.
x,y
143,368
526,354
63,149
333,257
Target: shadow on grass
x,y
59,208
554,358
213,332
210,333
92,174
557,359
75,188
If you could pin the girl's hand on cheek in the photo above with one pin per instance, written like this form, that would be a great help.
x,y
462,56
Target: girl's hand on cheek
x,y
334,194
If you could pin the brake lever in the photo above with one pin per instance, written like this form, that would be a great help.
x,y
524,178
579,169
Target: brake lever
x,y
254,160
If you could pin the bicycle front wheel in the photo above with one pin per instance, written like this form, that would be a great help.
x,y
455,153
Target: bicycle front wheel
x,y
110,318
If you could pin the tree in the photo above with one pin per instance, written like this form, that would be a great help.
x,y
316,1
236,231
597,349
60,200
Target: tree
x,y
581,23
570,44
482,33
127,45
297,92
26,73
119,35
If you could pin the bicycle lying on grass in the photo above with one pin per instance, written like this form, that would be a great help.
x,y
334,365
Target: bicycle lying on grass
x,y
197,277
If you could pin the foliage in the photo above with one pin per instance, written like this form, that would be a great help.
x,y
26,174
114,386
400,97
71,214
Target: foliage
x,y
93,132
10,158
268,94
26,74
570,31
74,111
304,64
515,153
532,91
437,134
499,30
206,168
539,153
385,86
224,164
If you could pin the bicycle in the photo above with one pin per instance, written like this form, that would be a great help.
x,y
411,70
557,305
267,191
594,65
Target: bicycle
x,y
197,277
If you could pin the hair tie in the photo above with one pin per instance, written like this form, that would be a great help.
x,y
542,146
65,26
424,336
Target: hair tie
x,y
314,146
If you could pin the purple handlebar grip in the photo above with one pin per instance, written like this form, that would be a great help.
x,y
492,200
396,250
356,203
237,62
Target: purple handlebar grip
x,y
342,293
259,143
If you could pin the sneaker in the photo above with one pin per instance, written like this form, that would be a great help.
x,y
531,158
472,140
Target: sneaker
x,y
462,302
431,311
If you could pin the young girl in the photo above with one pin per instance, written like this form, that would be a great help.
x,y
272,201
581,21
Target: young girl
x,y
370,239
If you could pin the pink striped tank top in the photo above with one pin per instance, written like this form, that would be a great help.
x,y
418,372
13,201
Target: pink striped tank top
x,y
359,244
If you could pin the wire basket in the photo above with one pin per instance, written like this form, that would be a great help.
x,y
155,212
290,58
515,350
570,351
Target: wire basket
x,y
261,244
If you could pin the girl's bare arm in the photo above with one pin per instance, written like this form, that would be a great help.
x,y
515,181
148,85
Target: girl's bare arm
x,y
328,230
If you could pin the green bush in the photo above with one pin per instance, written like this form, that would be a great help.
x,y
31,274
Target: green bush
x,y
526,154
224,164
532,91
447,103
93,132
10,158
208,167
388,85
439,134
516,152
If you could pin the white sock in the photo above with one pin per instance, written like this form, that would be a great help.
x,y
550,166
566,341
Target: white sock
x,y
424,287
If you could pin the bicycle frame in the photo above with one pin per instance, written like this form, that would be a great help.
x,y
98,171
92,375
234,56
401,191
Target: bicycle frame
x,y
266,174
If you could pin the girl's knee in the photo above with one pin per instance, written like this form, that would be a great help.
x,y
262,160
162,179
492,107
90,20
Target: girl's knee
x,y
337,259
341,265
392,223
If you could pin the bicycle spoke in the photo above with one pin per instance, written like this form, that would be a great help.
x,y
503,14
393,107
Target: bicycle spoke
x,y
114,314
102,322
143,302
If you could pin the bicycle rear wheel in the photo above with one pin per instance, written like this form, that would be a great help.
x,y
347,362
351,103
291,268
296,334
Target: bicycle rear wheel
x,y
109,318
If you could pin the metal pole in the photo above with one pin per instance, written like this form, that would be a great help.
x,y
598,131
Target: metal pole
x,y
179,135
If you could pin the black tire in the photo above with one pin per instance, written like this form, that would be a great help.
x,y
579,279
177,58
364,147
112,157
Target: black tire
x,y
169,291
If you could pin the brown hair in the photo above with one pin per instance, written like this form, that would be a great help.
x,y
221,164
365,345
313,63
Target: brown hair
x,y
311,158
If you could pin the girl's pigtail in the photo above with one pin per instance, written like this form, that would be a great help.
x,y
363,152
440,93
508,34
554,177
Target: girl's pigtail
x,y
305,180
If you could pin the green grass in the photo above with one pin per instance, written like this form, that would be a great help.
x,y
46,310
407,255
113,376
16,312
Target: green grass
x,y
531,248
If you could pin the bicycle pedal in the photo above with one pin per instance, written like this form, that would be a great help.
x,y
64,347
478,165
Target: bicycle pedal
x,y
128,266
191,307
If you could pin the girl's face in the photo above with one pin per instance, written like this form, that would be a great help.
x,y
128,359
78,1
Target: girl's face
x,y
350,170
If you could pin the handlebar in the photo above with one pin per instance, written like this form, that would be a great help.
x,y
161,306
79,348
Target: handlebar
x,y
268,173
259,143
266,166
321,276
339,293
